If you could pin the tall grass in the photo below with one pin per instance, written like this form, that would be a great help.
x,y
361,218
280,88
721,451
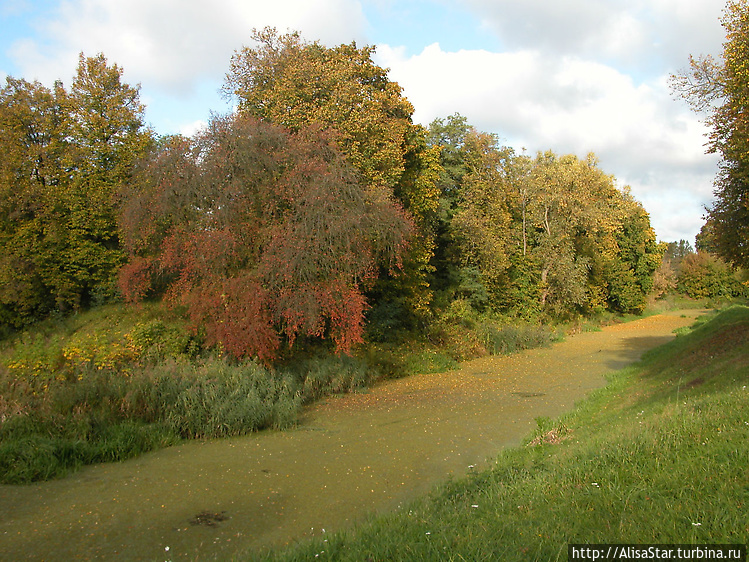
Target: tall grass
x,y
503,339
117,382
108,417
657,456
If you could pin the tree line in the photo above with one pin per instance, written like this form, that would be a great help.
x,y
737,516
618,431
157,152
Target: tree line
x,y
317,211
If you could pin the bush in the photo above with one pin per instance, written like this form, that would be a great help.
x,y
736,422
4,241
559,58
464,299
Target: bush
x,y
703,275
332,374
429,361
36,448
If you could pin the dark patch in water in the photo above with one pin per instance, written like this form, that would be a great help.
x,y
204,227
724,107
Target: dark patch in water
x,y
208,518
529,394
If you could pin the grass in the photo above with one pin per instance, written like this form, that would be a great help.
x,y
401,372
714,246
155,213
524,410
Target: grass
x,y
116,382
657,456
504,339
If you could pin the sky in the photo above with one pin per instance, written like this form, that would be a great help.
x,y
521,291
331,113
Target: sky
x,y
572,76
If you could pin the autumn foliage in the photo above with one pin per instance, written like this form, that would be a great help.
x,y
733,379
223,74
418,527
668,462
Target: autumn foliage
x,y
262,234
63,155
316,210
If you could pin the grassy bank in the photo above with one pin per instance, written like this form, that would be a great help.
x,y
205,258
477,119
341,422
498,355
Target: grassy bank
x,y
657,456
117,381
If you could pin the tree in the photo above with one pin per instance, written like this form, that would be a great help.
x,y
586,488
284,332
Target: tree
x,y
450,137
593,242
560,204
63,156
410,292
703,275
631,278
720,90
106,135
32,138
481,222
550,235
263,235
294,83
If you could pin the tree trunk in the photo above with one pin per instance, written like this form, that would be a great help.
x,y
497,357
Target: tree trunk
x,y
544,286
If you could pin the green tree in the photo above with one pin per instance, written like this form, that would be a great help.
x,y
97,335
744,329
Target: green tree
x,y
448,136
64,155
720,90
677,251
410,292
482,222
106,135
549,235
560,205
32,139
703,275
593,242
632,273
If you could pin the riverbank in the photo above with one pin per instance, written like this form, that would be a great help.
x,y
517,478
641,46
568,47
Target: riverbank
x,y
352,456
658,456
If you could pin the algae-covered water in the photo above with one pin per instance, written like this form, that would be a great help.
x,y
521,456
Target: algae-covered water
x,y
351,456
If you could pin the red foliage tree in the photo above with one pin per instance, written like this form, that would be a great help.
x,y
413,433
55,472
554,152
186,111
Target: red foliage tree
x,y
260,233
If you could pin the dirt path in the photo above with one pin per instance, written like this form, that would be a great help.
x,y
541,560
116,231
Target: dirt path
x,y
351,456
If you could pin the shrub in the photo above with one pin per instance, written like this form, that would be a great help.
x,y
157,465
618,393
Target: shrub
x,y
706,276
429,361
39,447
333,374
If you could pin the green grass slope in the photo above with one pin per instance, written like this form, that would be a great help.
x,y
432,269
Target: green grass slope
x,y
661,455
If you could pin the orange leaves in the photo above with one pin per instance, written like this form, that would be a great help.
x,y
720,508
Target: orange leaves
x,y
234,314
261,234
135,278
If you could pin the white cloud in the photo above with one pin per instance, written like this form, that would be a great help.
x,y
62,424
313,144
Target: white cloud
x,y
628,31
178,50
190,129
571,105
675,212
174,44
483,86
566,27
10,8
